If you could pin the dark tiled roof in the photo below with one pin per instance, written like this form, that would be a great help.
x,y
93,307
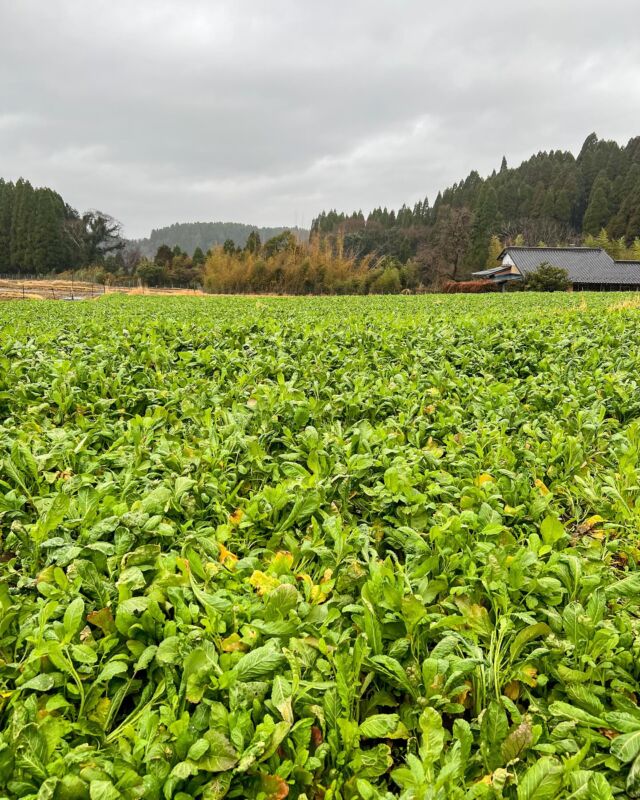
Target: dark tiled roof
x,y
628,271
583,264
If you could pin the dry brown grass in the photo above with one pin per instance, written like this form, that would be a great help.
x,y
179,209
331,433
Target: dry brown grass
x,y
47,285
626,305
52,289
46,289
145,290
11,295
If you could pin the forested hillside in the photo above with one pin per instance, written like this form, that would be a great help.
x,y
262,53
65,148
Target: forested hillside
x,y
552,197
189,236
40,233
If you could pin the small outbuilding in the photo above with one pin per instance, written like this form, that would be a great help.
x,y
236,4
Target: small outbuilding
x,y
588,268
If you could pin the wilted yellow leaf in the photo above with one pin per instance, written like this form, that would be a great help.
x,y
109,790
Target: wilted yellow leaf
x,y
236,517
540,485
317,594
475,616
322,590
512,690
529,675
588,525
281,562
437,682
326,576
484,478
434,448
305,579
262,582
46,576
100,713
226,557
464,694
232,644
497,778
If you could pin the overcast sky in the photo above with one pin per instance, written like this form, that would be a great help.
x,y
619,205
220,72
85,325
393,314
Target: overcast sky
x,y
267,111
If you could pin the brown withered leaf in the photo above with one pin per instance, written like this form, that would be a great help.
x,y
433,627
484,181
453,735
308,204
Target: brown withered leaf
x,y
103,619
273,787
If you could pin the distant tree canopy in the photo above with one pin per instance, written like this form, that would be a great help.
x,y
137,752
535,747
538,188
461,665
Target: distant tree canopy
x,y
253,244
280,244
198,257
554,197
164,256
171,267
191,236
40,233
96,235
229,247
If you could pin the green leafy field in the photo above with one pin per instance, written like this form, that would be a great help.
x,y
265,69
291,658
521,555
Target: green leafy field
x,y
324,548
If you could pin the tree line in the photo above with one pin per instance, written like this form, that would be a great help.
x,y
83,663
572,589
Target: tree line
x,y
41,234
284,265
281,265
553,197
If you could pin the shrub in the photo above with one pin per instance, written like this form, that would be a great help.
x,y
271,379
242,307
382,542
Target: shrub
x,y
388,282
469,287
548,278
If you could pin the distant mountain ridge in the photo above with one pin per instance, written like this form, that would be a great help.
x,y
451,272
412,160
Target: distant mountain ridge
x,y
190,235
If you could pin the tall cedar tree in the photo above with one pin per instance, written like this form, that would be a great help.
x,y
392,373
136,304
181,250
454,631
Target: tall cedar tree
x,y
599,209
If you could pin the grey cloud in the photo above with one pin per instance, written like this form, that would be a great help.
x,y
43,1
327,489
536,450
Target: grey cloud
x,y
269,112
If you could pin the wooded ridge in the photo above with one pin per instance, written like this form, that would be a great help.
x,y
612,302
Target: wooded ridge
x,y
553,197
